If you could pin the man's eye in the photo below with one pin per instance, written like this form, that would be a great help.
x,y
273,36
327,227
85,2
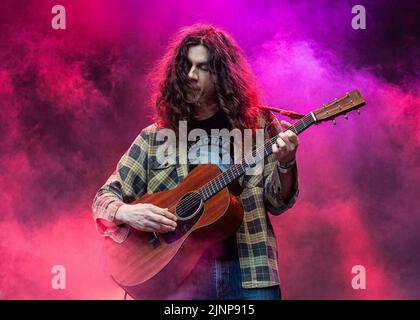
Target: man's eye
x,y
204,67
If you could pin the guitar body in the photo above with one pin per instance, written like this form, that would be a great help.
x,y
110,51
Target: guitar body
x,y
150,266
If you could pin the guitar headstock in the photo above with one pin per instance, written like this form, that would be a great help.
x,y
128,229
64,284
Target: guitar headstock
x,y
352,100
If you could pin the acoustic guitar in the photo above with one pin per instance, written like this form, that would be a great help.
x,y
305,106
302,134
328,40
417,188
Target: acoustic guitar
x,y
152,266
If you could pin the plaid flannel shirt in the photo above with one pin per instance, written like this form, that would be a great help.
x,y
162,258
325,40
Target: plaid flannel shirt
x,y
138,172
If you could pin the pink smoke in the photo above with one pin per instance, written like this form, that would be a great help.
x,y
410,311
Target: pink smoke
x,y
73,100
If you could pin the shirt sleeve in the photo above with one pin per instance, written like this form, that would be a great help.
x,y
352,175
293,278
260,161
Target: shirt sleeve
x,y
127,183
275,204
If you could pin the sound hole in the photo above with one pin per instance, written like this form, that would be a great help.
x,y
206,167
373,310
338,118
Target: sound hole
x,y
188,211
189,205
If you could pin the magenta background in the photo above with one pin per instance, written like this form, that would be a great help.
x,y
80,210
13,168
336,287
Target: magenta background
x,y
72,102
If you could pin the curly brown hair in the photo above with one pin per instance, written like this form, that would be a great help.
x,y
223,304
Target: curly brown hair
x,y
236,89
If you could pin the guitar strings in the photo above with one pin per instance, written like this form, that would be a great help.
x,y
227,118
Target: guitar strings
x,y
187,202
207,187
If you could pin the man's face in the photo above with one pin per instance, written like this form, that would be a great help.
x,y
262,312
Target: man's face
x,y
199,75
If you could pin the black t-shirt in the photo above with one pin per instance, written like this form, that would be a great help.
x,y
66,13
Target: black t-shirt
x,y
226,249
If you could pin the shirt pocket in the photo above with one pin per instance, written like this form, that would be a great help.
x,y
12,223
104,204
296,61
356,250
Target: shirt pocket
x,y
162,177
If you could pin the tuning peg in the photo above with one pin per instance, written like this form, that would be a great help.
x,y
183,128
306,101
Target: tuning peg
x,y
358,111
334,122
347,117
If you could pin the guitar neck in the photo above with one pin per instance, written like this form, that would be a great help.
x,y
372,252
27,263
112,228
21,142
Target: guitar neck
x,y
248,162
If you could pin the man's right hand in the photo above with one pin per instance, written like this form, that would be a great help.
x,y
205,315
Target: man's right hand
x,y
146,217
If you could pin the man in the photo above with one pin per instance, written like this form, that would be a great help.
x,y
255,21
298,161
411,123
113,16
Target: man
x,y
205,81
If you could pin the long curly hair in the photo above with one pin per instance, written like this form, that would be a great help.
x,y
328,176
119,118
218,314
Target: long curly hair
x,y
237,93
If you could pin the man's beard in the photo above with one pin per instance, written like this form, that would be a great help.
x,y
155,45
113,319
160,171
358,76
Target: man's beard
x,y
195,95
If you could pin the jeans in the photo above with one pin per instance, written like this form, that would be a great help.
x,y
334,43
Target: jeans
x,y
216,279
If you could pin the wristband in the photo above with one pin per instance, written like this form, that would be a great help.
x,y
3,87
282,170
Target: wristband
x,y
284,167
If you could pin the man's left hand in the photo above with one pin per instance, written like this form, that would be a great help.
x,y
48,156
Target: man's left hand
x,y
286,144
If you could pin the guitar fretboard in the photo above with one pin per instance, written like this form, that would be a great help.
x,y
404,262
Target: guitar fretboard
x,y
249,161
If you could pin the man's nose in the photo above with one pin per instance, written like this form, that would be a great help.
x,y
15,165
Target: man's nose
x,y
193,73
